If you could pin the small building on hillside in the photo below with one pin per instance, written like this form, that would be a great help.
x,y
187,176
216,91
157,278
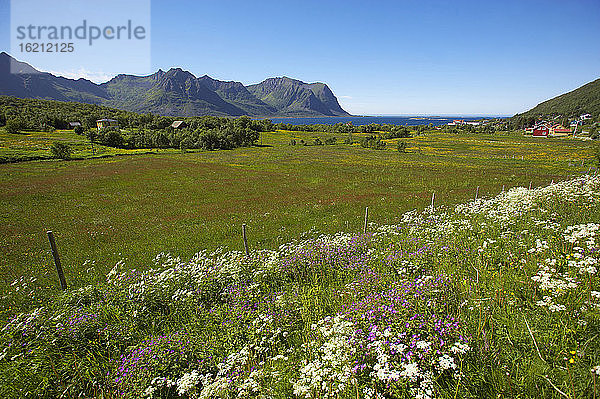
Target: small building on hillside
x,y
585,117
103,123
73,125
541,130
559,131
179,125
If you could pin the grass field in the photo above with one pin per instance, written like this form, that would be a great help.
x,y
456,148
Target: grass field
x,y
28,146
134,207
493,298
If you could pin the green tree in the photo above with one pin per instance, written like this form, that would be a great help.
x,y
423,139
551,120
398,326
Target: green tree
x,y
14,125
61,150
161,140
111,137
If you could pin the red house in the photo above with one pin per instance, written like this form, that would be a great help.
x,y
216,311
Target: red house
x,y
541,130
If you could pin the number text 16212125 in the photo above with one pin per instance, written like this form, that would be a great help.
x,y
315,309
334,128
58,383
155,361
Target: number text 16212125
x,y
46,47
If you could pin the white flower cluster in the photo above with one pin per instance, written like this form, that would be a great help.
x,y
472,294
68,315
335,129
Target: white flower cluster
x,y
552,306
212,387
583,236
446,362
540,246
158,384
329,372
460,348
511,204
582,233
187,382
581,261
550,280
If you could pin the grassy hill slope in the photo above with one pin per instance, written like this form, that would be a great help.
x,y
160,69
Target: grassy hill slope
x,y
585,99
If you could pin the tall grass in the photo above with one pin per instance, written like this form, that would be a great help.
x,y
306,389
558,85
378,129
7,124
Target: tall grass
x,y
494,297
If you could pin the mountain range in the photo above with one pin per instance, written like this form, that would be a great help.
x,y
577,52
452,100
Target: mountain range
x,y
175,92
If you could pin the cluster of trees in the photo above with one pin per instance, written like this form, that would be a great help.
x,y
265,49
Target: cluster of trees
x,y
316,141
392,130
220,133
33,114
489,127
138,130
374,142
46,115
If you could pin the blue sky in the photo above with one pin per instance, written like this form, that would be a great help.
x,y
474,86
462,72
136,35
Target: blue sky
x,y
389,57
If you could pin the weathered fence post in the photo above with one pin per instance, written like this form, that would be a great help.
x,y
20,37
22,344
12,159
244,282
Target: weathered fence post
x,y
59,270
366,219
503,188
432,200
245,240
530,184
477,192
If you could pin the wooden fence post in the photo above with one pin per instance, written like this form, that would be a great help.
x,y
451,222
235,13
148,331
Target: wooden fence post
x,y
530,184
245,240
477,192
432,200
503,188
366,220
59,270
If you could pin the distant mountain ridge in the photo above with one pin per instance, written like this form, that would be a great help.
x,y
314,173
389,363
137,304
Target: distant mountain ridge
x,y
175,92
583,100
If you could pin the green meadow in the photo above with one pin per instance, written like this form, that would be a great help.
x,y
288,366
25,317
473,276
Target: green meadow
x,y
134,206
490,298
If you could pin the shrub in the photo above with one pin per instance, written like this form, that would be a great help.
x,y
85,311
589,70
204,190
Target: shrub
x,y
401,146
374,142
14,126
78,129
61,150
111,137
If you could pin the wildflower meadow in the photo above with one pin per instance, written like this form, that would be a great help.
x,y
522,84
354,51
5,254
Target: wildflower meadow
x,y
496,297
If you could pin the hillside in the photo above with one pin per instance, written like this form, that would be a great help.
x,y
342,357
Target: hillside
x,y
175,92
585,99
